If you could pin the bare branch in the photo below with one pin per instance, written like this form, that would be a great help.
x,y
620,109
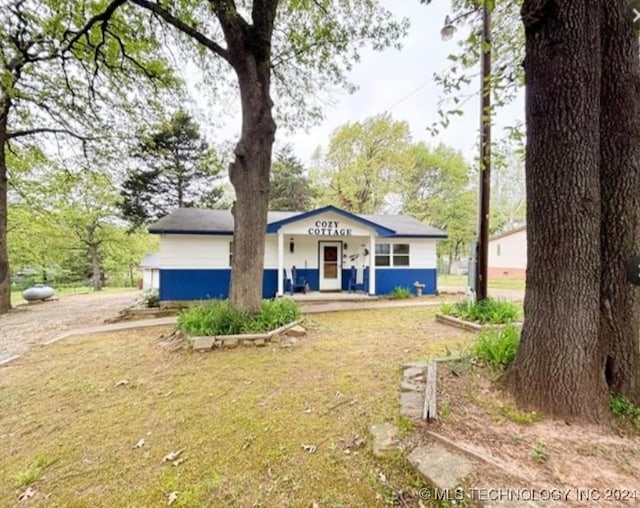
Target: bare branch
x,y
98,18
183,27
48,130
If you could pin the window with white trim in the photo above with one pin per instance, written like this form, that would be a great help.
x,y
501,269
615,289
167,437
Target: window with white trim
x,y
392,254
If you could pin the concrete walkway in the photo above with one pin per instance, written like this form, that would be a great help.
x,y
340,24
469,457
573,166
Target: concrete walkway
x,y
306,308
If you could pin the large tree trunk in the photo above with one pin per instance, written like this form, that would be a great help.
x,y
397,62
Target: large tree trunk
x,y
5,278
249,174
620,197
558,368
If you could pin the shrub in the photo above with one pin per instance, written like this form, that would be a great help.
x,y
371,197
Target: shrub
x,y
487,311
400,292
625,410
219,317
497,348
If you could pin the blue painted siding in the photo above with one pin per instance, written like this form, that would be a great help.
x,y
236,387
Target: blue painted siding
x,y
194,284
389,278
210,284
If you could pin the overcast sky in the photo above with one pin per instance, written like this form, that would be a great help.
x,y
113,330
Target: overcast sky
x,y
401,82
397,81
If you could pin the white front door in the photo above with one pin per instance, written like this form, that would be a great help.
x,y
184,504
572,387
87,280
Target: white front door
x,y
330,266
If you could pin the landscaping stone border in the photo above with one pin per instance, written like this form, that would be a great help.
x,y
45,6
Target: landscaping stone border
x,y
208,343
469,325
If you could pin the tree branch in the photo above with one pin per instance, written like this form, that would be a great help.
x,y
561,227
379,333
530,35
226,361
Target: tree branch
x,y
98,18
183,27
39,130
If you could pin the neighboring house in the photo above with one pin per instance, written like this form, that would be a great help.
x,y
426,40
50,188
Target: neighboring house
x,y
324,244
150,271
508,254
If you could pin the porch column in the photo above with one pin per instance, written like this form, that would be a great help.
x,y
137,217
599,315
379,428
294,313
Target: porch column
x,y
372,264
280,263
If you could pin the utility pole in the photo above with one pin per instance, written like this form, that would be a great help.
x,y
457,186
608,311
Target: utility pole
x,y
484,195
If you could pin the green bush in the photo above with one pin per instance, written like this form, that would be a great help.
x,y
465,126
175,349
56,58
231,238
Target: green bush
x,y
625,410
489,311
497,348
220,318
400,292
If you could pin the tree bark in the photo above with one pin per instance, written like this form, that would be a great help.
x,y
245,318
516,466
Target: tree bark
x,y
249,174
620,197
559,365
96,268
5,276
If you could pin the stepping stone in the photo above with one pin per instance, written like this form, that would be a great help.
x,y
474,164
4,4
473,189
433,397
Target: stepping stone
x,y
412,404
441,468
413,373
385,438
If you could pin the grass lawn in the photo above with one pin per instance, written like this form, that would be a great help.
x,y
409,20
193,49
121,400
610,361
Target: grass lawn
x,y
241,415
461,280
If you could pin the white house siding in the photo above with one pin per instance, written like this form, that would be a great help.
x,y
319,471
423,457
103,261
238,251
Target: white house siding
x,y
194,251
508,255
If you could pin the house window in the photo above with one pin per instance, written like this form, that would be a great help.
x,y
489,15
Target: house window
x,y
497,249
392,254
401,254
383,254
231,253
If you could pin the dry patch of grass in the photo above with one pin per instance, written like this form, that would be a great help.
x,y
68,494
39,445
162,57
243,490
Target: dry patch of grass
x,y
243,416
543,453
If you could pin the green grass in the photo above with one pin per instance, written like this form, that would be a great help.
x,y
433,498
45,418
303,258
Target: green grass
x,y
400,292
33,471
461,280
220,318
242,415
497,348
490,311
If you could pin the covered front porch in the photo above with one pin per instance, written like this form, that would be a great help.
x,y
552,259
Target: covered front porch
x,y
324,251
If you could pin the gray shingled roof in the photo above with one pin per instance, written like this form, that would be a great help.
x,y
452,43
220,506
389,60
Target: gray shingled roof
x,y
203,221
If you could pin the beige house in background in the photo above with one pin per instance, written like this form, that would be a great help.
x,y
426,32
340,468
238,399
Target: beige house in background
x,y
508,254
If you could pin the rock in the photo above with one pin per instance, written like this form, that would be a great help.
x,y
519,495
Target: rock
x,y
413,373
441,468
230,343
408,386
411,404
276,339
297,331
385,438
260,342
202,343
418,365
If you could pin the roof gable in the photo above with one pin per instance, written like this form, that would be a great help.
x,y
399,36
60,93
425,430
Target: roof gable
x,y
273,227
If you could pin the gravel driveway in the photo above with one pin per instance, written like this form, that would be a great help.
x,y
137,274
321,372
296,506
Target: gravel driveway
x,y
36,323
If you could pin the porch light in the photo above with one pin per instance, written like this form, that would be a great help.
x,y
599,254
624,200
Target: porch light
x,y
346,247
292,246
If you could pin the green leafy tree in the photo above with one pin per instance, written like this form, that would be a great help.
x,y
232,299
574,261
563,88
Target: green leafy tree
x,y
363,163
436,189
291,189
177,169
48,91
282,52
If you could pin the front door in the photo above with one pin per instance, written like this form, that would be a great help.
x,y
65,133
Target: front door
x,y
330,266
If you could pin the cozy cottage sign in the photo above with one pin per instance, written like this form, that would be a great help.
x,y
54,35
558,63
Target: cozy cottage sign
x,y
329,228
